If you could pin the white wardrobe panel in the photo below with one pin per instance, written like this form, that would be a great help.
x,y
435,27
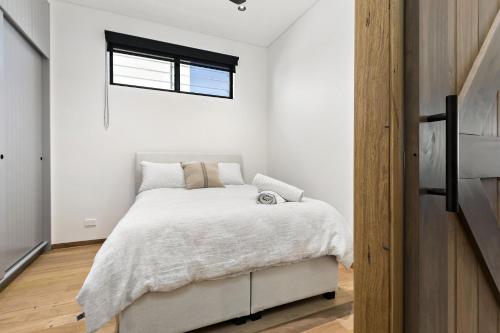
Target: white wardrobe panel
x,y
23,99
32,17
3,170
21,13
41,25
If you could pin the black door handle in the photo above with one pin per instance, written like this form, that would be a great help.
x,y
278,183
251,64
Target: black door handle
x,y
451,118
452,153
1,156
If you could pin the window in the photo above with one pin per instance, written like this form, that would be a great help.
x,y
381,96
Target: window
x,y
140,71
205,81
144,63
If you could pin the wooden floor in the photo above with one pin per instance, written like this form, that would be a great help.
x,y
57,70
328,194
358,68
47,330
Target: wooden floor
x,y
42,300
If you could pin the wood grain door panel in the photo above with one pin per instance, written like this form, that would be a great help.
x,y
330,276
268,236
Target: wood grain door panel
x,y
450,269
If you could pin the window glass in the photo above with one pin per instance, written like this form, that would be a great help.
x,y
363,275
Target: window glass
x,y
206,81
132,70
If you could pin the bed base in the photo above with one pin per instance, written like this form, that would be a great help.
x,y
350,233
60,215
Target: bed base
x,y
242,297
282,285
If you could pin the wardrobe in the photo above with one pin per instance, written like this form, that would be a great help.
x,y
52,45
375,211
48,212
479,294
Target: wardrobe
x,y
24,134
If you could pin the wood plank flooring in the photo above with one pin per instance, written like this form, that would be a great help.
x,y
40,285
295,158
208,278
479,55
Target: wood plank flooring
x,y
42,300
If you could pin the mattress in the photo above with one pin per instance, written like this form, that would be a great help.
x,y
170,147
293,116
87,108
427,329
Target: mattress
x,y
173,237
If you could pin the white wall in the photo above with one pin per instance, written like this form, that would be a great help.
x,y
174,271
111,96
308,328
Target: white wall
x,y
92,168
311,104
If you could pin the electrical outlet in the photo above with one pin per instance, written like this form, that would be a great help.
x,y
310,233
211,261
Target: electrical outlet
x,y
89,223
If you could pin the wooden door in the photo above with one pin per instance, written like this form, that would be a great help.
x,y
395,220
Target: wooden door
x,y
451,259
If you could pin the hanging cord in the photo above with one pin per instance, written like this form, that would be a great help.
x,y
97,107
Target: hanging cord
x,y
106,90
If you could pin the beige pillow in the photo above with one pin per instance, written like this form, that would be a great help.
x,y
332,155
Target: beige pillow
x,y
201,175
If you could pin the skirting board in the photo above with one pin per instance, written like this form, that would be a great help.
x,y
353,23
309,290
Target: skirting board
x,y
75,244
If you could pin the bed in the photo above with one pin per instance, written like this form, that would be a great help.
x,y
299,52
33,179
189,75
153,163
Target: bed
x,y
261,263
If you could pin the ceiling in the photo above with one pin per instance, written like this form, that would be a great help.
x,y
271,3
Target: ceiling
x,y
261,24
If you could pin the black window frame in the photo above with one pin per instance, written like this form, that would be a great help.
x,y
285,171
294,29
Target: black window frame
x,y
178,54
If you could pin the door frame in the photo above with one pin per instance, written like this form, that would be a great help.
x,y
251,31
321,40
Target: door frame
x,y
378,180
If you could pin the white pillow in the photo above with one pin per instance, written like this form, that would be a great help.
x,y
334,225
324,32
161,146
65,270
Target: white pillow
x,y
230,174
159,175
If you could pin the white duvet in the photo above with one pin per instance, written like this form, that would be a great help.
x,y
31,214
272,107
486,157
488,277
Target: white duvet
x,y
172,237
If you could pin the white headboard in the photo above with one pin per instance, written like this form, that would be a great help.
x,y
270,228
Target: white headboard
x,y
180,157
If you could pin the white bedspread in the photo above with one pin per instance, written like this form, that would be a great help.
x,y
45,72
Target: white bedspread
x,y
173,237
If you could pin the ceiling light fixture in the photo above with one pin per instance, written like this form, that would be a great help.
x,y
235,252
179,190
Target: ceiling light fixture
x,y
241,4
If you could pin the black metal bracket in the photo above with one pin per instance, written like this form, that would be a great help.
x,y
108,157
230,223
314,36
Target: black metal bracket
x,y
451,118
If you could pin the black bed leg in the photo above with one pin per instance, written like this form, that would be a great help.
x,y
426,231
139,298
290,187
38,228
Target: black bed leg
x,y
256,316
239,321
330,295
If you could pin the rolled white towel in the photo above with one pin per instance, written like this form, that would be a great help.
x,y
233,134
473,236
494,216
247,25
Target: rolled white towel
x,y
288,192
270,198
